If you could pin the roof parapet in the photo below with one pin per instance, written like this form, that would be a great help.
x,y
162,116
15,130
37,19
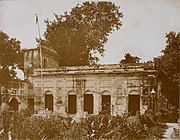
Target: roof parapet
x,y
106,68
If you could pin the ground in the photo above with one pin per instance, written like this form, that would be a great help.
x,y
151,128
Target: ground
x,y
168,135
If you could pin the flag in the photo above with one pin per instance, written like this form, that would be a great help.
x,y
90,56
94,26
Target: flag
x,y
36,18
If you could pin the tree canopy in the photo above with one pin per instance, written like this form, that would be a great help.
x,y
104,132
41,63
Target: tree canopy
x,y
10,57
81,34
169,62
128,58
168,66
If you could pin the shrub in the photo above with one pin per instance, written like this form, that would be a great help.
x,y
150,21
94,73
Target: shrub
x,y
53,127
107,127
148,118
37,127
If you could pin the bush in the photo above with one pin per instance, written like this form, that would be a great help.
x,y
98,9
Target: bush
x,y
53,127
107,127
37,127
148,118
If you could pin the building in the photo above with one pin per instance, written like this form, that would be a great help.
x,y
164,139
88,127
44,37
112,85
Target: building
x,y
11,94
82,90
32,59
91,90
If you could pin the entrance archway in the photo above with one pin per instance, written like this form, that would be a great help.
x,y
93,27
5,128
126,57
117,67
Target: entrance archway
x,y
106,102
31,104
49,100
72,101
133,102
88,102
14,105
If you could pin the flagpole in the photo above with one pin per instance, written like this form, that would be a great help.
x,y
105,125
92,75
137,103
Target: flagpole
x,y
40,51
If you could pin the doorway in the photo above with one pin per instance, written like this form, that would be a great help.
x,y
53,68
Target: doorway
x,y
31,104
49,102
72,104
133,104
88,103
106,103
14,104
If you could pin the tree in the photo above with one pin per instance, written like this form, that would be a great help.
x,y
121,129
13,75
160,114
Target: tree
x,y
168,66
10,58
130,59
80,35
169,62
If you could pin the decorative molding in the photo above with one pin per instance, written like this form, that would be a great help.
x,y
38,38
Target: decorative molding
x,y
134,92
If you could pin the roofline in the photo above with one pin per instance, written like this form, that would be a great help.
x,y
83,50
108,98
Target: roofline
x,y
93,69
43,47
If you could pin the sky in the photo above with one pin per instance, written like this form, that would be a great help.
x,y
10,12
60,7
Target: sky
x,y
144,25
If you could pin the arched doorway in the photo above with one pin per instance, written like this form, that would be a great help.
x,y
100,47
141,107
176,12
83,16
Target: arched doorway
x,y
14,105
106,102
133,102
88,102
31,104
49,100
72,103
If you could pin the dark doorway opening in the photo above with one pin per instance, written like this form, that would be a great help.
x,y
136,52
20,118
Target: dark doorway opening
x,y
133,104
45,64
49,102
72,104
31,104
88,103
106,103
14,105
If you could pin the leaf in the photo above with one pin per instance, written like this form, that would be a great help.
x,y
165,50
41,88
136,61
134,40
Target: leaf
x,y
82,31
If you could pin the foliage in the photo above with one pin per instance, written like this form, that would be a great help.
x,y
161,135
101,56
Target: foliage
x,y
169,89
128,58
79,35
38,127
17,124
13,121
169,62
169,114
10,57
149,118
168,66
6,119
74,132
99,127
117,127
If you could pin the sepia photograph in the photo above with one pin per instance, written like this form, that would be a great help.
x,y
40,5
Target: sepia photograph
x,y
89,69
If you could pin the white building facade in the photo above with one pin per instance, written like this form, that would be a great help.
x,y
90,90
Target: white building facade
x,y
83,90
79,91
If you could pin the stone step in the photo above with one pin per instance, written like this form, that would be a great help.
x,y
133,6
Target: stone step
x,y
169,131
